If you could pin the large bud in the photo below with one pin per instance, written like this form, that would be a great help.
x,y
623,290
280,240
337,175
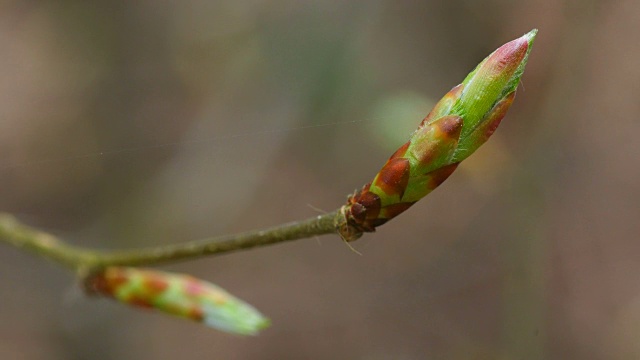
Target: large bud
x,y
458,124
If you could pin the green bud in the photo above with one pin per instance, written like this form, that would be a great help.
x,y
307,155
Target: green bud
x,y
457,126
179,295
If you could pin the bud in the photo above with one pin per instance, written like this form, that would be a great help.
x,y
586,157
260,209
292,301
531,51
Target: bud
x,y
456,127
179,295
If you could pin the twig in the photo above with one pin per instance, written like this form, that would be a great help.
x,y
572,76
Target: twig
x,y
84,260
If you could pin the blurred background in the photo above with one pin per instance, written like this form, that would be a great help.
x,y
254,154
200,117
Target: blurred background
x,y
136,123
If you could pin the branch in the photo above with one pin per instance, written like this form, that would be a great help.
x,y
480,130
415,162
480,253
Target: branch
x,y
86,260
460,123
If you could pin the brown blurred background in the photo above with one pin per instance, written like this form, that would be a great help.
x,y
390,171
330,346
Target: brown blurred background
x,y
134,123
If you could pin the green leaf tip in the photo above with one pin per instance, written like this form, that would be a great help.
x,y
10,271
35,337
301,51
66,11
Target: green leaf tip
x,y
179,295
457,126
531,36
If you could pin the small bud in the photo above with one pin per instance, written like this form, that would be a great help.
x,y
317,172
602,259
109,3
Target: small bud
x,y
179,295
457,126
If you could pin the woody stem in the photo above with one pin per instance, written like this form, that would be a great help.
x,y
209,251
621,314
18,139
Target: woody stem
x,y
82,259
